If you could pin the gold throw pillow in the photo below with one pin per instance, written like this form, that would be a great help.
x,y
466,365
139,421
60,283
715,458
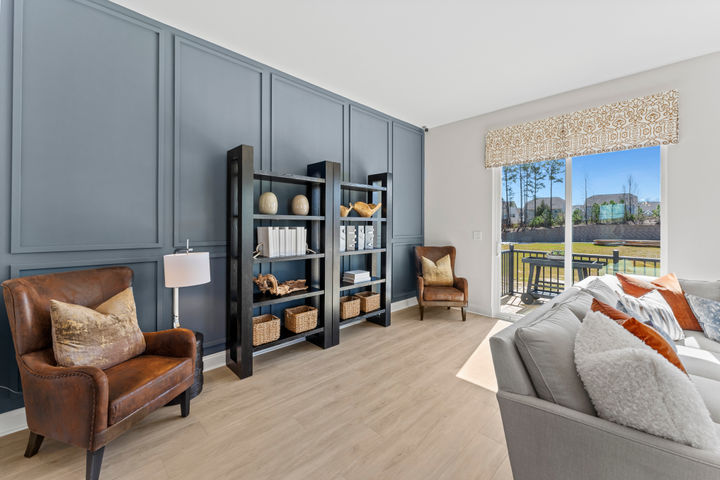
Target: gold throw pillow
x,y
102,337
437,274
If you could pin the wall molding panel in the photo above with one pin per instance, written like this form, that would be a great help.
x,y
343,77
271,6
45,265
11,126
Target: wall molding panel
x,y
179,235
113,136
18,133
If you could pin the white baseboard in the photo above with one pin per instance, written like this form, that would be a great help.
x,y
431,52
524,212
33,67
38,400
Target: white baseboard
x,y
402,304
213,361
12,421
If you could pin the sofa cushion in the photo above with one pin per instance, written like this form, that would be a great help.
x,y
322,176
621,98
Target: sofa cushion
x,y
702,288
443,294
578,302
631,384
698,340
546,348
709,390
700,362
653,339
142,379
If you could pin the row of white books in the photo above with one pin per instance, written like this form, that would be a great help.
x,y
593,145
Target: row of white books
x,y
357,237
356,276
282,241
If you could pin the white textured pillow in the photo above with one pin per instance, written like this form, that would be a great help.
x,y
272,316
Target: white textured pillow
x,y
652,307
631,384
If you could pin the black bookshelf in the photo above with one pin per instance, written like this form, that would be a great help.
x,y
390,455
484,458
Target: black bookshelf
x,y
377,260
323,269
243,301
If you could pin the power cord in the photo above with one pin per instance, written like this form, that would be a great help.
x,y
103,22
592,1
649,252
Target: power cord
x,y
10,390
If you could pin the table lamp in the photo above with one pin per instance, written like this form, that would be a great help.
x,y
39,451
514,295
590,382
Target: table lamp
x,y
185,269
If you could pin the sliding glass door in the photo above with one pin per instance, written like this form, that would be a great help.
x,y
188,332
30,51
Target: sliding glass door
x,y
610,223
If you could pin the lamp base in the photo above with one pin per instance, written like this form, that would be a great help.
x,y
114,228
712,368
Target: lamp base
x,y
197,386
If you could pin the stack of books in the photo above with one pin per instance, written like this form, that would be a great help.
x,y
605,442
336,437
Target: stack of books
x,y
356,276
282,241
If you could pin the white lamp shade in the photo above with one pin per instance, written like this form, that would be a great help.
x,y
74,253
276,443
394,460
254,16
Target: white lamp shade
x,y
186,269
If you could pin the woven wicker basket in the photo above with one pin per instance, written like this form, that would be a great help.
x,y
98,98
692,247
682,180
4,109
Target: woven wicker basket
x,y
349,307
266,328
369,301
301,318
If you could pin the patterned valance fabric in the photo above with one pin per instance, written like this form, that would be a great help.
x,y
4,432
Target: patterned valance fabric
x,y
636,123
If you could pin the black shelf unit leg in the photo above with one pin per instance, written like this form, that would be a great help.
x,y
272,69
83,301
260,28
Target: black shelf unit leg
x,y
322,238
239,298
385,267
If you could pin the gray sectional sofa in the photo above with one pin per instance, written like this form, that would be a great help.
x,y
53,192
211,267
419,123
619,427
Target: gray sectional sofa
x,y
549,441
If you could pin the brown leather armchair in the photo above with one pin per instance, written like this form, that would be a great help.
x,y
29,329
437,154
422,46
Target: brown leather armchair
x,y
86,406
432,296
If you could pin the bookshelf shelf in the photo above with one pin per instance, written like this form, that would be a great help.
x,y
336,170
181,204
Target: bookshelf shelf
x,y
363,252
293,258
362,219
291,218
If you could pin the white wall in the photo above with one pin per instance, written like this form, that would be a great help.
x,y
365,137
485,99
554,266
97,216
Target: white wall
x,y
459,189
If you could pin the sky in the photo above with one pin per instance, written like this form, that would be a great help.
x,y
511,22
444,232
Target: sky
x,y
608,172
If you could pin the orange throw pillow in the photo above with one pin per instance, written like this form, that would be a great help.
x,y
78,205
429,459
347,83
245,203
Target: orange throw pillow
x,y
654,340
608,311
634,286
669,287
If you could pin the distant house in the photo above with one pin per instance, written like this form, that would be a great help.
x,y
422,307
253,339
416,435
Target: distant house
x,y
514,213
631,199
558,206
648,207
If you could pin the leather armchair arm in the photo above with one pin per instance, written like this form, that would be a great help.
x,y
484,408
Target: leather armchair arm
x,y
420,289
69,404
462,285
177,342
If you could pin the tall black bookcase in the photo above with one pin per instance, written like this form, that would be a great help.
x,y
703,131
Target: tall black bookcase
x,y
322,269
378,260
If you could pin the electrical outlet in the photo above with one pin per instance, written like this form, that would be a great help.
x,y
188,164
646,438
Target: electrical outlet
x,y
477,235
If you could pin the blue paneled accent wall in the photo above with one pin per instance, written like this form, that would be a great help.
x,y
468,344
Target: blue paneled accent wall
x,y
113,135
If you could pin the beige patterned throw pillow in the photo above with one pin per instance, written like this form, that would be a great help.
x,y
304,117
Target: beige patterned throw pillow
x,y
102,337
437,274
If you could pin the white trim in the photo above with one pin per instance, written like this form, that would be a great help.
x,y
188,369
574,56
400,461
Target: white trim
x,y
403,304
496,242
664,225
12,421
569,273
213,361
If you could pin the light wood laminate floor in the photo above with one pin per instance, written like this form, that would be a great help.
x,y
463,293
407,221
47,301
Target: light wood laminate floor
x,y
384,404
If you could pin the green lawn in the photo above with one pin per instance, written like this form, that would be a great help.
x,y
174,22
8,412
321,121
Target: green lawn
x,y
586,247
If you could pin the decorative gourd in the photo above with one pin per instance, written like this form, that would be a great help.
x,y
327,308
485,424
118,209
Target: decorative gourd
x,y
366,209
268,203
300,205
344,211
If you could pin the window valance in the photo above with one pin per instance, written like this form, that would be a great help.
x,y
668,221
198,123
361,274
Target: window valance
x,y
636,123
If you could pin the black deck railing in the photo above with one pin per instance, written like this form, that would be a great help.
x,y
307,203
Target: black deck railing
x,y
515,272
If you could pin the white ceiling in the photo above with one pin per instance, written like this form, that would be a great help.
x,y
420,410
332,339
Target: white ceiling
x,y
431,62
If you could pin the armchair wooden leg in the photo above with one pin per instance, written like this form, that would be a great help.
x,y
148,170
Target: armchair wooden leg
x,y
422,313
185,403
93,462
464,313
33,445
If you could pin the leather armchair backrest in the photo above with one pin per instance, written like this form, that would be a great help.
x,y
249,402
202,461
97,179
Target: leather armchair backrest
x,y
27,300
434,254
